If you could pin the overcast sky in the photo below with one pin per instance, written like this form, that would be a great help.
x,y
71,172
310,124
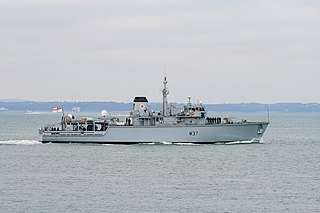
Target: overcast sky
x,y
218,51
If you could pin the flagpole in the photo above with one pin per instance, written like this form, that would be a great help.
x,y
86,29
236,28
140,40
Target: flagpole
x,y
62,110
63,122
268,113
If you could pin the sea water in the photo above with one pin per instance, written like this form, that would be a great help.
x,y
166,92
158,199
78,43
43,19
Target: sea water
x,y
282,174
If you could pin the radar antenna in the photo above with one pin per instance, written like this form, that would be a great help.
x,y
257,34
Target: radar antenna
x,y
268,113
165,92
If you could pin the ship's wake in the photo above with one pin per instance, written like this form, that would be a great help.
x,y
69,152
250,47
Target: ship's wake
x,y
253,141
35,142
20,142
168,143
199,144
171,143
244,142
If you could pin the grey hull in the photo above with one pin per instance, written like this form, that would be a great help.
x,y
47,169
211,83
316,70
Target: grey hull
x,y
222,133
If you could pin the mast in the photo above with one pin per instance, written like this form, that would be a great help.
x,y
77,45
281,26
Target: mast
x,y
165,92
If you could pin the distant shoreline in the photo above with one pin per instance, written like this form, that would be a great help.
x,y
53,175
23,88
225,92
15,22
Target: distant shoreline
x,y
117,106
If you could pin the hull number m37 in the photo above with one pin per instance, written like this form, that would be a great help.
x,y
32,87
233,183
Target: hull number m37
x,y
193,133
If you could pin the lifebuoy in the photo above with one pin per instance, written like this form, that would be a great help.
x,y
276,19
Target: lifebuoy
x,y
191,113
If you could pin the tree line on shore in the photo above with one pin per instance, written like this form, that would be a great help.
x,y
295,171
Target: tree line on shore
x,y
121,106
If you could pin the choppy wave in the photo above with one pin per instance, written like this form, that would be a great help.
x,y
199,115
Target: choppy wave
x,y
20,142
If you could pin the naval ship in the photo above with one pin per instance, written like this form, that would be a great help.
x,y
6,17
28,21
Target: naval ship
x,y
187,124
